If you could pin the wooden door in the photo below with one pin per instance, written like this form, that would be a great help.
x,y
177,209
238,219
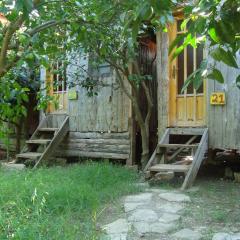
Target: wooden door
x,y
57,88
186,108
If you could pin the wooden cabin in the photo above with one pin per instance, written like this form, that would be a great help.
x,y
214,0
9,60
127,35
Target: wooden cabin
x,y
103,126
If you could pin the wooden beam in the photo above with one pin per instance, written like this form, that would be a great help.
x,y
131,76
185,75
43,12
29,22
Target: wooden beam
x,y
197,161
178,145
165,139
99,135
76,153
187,131
169,168
99,141
181,149
132,129
162,62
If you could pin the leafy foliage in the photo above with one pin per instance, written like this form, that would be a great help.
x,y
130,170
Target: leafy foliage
x,y
216,24
42,31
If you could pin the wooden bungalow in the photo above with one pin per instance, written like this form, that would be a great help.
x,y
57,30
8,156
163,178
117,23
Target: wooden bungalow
x,y
103,126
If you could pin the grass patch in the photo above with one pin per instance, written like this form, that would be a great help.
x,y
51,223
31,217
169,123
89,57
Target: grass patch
x,y
59,203
214,208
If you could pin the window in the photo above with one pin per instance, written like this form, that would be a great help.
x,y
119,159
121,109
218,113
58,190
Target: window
x,y
59,77
187,62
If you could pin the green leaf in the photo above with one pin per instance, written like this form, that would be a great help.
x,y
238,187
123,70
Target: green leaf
x,y
177,52
216,75
145,12
238,81
28,4
176,41
227,57
25,5
135,29
184,24
213,35
194,78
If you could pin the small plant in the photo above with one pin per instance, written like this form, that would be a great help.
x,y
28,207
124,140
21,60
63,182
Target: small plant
x,y
218,215
60,203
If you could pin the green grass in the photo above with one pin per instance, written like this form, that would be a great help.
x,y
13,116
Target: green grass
x,y
59,203
215,206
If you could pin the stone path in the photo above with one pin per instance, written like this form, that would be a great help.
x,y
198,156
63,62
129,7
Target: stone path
x,y
226,236
155,215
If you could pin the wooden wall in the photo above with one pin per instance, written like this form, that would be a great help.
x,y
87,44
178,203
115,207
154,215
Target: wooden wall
x,y
108,111
224,121
96,145
99,125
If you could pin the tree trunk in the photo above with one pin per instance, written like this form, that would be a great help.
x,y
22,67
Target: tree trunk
x,y
18,137
145,145
134,97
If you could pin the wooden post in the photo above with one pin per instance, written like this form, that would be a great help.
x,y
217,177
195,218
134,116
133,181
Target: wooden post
x,y
132,130
163,81
49,91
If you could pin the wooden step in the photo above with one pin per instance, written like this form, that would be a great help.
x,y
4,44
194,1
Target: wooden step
x,y
187,131
29,155
170,168
39,141
178,145
48,129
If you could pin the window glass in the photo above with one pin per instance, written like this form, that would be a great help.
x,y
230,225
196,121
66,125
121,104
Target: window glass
x,y
180,72
199,60
190,67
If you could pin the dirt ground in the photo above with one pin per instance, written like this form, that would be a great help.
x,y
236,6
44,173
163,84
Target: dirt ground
x,y
215,206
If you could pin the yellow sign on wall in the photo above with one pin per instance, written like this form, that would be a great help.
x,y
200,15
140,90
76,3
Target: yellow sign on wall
x,y
72,94
218,98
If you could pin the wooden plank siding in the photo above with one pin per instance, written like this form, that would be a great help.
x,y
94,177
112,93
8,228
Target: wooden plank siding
x,y
224,121
97,145
108,111
98,125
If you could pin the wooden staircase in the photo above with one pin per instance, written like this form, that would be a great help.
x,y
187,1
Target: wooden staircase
x,y
185,157
44,140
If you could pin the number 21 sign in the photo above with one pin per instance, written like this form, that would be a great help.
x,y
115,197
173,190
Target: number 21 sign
x,y
218,98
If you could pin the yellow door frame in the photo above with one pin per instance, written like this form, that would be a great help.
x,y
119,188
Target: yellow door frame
x,y
184,109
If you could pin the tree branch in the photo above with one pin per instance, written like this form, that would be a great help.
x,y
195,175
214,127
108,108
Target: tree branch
x,y
148,96
46,25
11,29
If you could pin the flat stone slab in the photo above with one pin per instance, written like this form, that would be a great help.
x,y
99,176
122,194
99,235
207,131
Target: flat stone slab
x,y
162,227
170,207
143,215
226,236
174,197
143,197
117,228
187,234
169,217
193,189
13,166
130,206
157,190
117,236
235,236
144,227
142,184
